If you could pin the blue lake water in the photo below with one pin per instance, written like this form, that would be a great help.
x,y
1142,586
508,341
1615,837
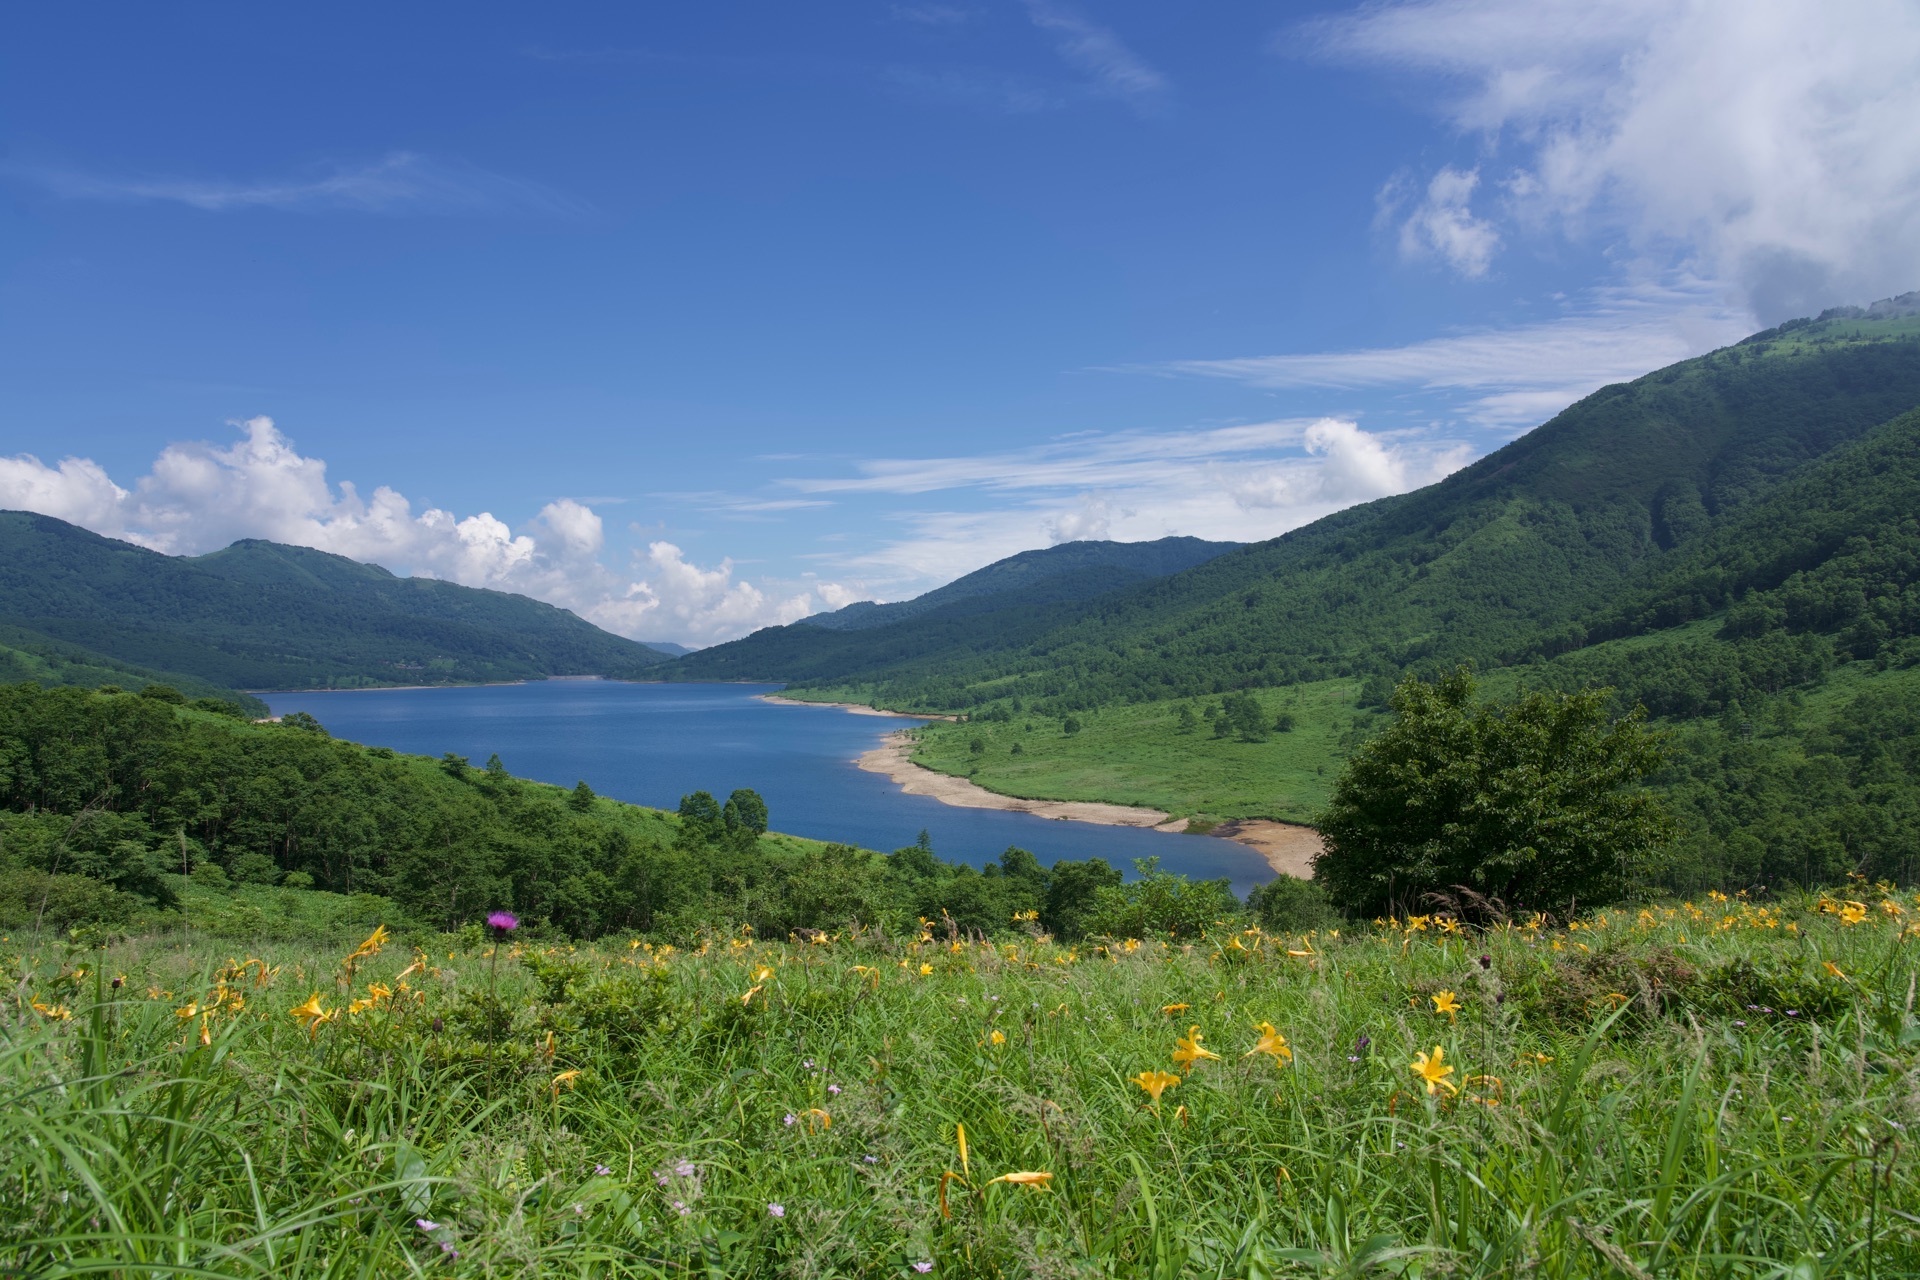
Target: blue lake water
x,y
653,743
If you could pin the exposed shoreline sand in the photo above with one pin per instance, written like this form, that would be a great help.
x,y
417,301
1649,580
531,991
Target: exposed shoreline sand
x,y
1288,848
857,708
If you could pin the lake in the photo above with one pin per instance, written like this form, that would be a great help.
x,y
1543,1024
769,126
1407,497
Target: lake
x,y
651,744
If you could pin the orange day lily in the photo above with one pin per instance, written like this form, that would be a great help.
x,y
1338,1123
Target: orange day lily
x,y
1155,1082
1270,1042
1188,1050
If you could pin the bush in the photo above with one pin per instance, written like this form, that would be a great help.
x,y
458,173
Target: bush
x,y
1160,903
1289,905
1533,803
29,897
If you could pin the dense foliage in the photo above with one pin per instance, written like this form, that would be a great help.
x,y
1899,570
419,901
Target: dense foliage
x,y
1693,1092
1528,805
106,800
263,616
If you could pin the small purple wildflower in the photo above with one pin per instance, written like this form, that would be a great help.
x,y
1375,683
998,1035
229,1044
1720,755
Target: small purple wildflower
x,y
680,1208
833,1088
601,1171
871,1159
503,922
808,1064
426,1224
1353,1057
1793,1013
923,1267
684,1169
1739,1022
776,1211
446,1247
788,1120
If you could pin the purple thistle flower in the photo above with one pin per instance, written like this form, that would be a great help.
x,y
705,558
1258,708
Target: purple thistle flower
x,y
503,922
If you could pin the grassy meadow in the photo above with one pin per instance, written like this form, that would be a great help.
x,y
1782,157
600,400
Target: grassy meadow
x,y
1138,753
1717,1088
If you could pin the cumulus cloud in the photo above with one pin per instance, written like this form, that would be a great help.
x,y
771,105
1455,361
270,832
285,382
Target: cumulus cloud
x,y
399,182
1764,144
198,497
1444,224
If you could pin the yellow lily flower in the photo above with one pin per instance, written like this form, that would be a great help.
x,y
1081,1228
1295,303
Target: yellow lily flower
x,y
816,1116
998,1037
1446,1003
1833,969
371,947
925,970
57,1012
1270,1042
566,1079
1155,1082
310,1015
1433,1070
1025,1178
1175,1008
1853,913
1187,1050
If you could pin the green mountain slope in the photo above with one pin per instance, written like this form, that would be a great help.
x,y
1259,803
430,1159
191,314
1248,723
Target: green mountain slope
x,y
1510,557
259,615
1010,600
1072,570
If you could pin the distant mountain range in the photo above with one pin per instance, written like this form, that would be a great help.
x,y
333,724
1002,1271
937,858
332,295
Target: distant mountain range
x,y
77,608
989,604
1521,555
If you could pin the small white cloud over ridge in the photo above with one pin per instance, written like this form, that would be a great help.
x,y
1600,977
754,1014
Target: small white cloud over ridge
x,y
198,497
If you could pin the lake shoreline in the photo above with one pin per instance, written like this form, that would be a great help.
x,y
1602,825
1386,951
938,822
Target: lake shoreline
x,y
1288,848
854,708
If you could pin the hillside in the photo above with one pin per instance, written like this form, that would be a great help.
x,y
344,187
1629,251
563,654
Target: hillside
x,y
259,615
1509,557
1019,596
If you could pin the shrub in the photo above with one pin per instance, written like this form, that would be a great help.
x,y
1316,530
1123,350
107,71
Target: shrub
x,y
1533,803
1290,905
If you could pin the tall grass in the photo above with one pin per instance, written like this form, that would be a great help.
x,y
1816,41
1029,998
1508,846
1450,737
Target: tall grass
x,y
1719,1089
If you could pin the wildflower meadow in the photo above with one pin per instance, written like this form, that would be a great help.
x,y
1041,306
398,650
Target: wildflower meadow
x,y
1720,1088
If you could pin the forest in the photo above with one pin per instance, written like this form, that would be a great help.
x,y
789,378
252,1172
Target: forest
x,y
113,804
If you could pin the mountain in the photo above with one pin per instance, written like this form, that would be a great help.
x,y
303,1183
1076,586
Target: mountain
x,y
261,615
667,647
1510,558
1017,596
1069,571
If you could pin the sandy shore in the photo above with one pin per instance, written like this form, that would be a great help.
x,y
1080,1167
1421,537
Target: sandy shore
x,y
857,708
1288,848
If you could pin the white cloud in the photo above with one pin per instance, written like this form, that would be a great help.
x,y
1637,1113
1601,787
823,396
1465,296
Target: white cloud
x,y
1519,376
1767,145
399,182
1098,54
198,497
1239,483
1444,224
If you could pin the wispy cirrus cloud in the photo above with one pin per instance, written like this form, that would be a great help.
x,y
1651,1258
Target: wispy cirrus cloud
x,y
1518,376
1099,55
400,182
1243,482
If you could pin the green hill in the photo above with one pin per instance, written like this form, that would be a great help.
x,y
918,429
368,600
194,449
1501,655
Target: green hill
x,y
1020,596
259,615
1508,557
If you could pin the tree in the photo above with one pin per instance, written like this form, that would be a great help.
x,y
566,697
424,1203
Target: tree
x,y
745,816
582,797
1534,802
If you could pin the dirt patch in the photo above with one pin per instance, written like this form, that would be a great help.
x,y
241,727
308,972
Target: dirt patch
x,y
857,708
1288,849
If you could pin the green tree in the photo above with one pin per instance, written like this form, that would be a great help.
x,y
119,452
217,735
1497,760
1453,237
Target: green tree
x,y
581,799
1534,803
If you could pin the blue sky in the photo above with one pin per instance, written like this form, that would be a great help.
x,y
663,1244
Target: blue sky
x,y
697,318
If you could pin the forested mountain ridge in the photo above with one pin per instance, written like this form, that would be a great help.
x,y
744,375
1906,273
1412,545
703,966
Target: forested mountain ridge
x,y
1085,567
1515,555
1018,597
260,615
